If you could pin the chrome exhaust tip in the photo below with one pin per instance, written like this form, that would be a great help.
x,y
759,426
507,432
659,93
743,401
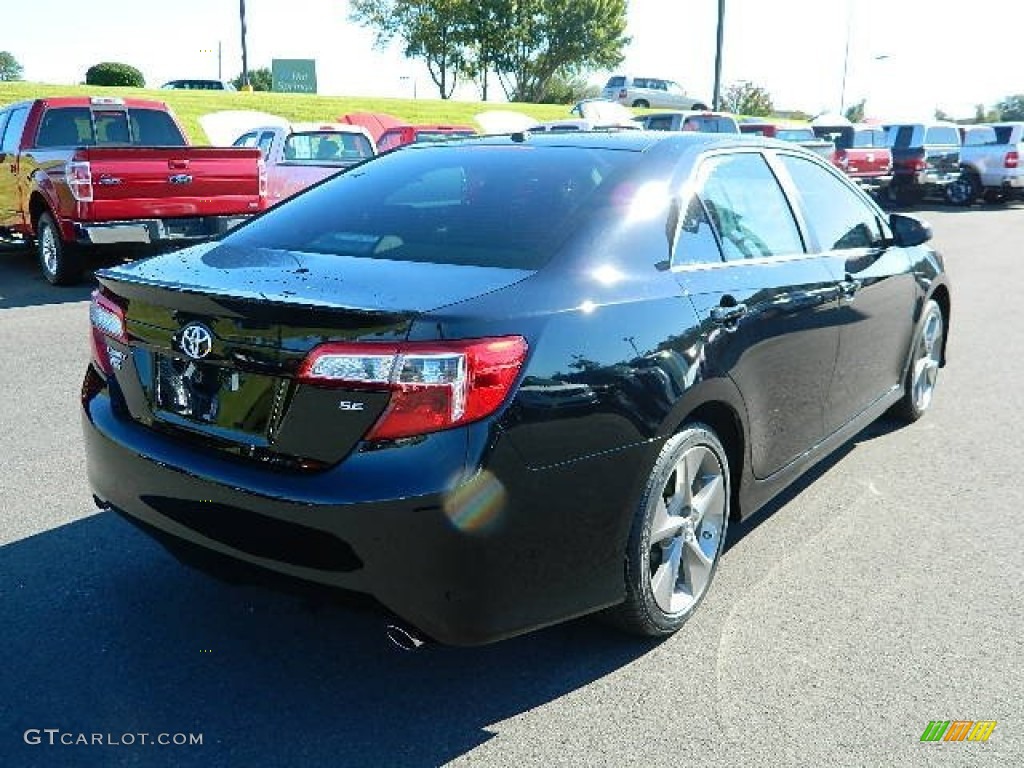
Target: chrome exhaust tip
x,y
404,638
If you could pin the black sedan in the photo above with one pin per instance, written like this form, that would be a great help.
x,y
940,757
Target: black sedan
x,y
502,382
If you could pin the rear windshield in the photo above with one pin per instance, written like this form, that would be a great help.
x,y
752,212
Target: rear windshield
x,y
941,134
326,148
706,124
795,134
424,136
1003,133
508,206
82,126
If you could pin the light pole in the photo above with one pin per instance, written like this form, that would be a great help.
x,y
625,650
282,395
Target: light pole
x,y
245,49
717,95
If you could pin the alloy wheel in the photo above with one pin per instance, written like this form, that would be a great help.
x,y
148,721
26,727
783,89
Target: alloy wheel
x,y
927,358
686,530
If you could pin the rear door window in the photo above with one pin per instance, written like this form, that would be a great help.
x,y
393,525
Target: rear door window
x,y
747,207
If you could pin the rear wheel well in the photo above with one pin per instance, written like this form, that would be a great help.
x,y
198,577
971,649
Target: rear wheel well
x,y
725,423
941,297
36,207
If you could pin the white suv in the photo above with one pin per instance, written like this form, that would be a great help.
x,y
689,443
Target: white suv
x,y
646,92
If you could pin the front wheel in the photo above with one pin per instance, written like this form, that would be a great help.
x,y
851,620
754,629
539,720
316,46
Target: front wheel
x,y
61,262
923,373
677,535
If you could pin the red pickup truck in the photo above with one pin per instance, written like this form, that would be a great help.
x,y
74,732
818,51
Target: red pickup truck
x,y
77,172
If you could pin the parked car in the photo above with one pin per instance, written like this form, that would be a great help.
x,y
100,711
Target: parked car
x,y
862,153
644,92
195,84
798,134
689,120
400,135
499,383
302,154
990,160
926,162
82,172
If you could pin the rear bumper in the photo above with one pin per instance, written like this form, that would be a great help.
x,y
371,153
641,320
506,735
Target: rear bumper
x,y
872,183
468,561
145,231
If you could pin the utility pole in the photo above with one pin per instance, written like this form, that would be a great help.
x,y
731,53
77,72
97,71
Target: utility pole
x,y
245,50
220,60
717,97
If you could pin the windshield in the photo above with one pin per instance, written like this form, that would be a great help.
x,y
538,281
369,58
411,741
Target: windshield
x,y
499,206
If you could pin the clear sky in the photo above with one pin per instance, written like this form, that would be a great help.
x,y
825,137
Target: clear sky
x,y
933,54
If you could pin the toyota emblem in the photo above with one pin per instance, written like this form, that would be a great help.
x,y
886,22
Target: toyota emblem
x,y
196,341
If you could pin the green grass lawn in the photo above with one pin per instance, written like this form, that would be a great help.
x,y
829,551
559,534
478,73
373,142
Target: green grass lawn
x,y
189,105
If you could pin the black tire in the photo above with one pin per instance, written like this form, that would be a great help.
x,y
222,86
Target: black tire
x,y
926,352
61,262
900,193
996,196
701,524
641,104
964,191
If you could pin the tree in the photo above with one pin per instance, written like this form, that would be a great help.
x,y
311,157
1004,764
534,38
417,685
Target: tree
x,y
432,30
10,69
483,37
944,116
1011,108
983,114
260,79
114,73
745,98
568,87
544,37
855,112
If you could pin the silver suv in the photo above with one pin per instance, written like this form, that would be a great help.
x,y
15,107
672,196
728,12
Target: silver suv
x,y
646,92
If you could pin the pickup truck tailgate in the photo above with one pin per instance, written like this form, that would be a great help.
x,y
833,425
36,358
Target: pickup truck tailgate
x,y
167,182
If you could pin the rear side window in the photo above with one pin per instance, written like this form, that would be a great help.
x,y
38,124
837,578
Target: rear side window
x,y
748,208
695,242
499,206
1003,133
80,126
836,215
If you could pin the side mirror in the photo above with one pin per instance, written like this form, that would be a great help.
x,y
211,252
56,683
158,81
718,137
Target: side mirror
x,y
909,230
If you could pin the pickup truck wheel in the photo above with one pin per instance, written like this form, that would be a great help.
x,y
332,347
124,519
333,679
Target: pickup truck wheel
x,y
61,262
996,196
641,104
964,190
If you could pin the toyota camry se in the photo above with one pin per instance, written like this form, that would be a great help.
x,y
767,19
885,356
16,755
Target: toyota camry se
x,y
502,382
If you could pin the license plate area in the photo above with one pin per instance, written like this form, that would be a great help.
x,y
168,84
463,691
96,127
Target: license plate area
x,y
190,389
207,394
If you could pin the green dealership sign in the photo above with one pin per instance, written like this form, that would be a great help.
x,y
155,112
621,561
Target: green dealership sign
x,y
294,75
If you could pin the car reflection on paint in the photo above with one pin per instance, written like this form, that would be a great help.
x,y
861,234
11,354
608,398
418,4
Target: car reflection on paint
x,y
501,382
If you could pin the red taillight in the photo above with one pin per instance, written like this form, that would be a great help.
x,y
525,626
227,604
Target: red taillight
x,y
79,178
1011,160
622,93
262,166
433,385
840,159
107,322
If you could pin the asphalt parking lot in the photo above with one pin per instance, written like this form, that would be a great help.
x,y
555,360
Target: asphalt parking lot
x,y
883,592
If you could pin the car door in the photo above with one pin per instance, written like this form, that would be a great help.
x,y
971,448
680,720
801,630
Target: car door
x,y
12,124
768,309
877,289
